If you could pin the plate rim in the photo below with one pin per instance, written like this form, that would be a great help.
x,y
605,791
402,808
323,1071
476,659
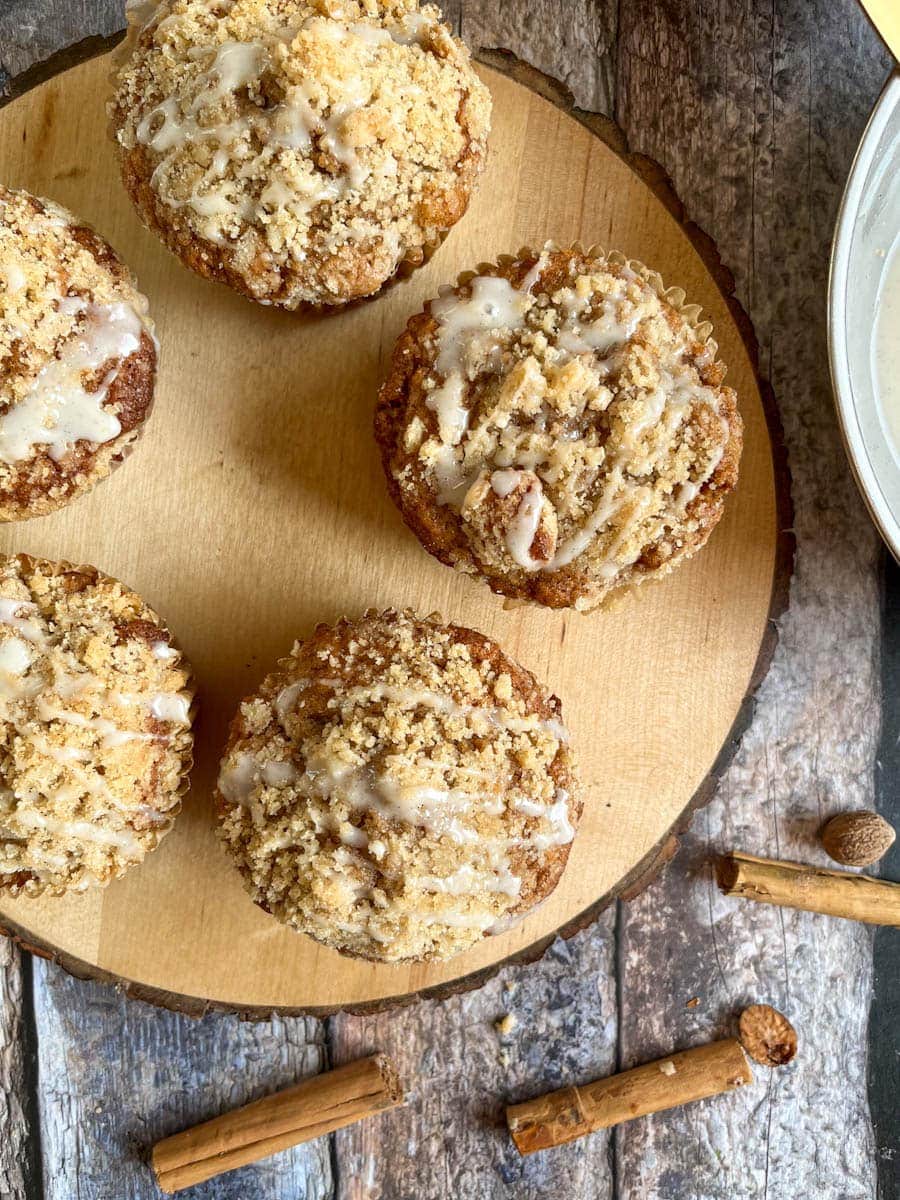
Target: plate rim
x,y
864,473
643,873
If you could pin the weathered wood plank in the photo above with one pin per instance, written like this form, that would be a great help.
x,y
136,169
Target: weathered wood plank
x,y
762,112
116,1075
572,40
689,77
33,30
450,1141
884,1016
13,1085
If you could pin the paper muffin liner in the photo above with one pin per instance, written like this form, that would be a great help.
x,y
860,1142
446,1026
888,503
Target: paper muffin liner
x,y
405,269
287,664
138,15
56,567
123,453
676,298
126,448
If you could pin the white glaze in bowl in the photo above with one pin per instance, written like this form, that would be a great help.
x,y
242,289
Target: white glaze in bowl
x,y
863,304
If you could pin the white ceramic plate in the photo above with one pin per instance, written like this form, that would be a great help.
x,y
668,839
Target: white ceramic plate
x,y
868,228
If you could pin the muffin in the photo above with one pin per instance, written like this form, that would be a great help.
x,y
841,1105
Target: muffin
x,y
95,727
304,152
557,424
77,357
398,789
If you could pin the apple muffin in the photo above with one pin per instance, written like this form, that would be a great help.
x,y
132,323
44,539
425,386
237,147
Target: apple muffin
x,y
77,357
304,152
557,424
95,727
398,789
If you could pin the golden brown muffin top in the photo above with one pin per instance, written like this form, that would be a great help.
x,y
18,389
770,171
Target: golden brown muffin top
x,y
313,144
94,727
557,424
398,789
77,357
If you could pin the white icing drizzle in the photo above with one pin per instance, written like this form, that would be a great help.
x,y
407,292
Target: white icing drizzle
x,y
58,411
334,141
521,530
14,278
294,121
15,656
219,203
414,29
86,779
442,811
466,879
457,920
112,735
287,697
66,754
339,797
173,707
435,809
27,628
415,697
238,780
505,482
605,332
556,815
81,831
351,835
471,332
466,327
78,777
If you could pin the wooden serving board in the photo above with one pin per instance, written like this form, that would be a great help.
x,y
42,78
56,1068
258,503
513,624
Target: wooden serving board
x,y
255,507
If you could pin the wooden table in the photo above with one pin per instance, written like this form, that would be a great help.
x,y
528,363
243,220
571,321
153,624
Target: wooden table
x,y
755,110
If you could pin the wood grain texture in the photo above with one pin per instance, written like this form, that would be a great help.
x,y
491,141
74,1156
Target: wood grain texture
x,y
572,41
711,618
34,30
451,1139
780,96
14,1123
709,70
116,1076
884,1015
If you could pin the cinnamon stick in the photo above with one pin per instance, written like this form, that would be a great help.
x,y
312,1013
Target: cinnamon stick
x,y
571,1113
815,889
299,1114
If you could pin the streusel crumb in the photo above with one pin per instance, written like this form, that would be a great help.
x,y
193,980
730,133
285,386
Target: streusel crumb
x,y
302,151
95,737
558,426
77,357
398,789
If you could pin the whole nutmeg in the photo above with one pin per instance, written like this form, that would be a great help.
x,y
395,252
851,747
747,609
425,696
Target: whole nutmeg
x,y
767,1035
857,839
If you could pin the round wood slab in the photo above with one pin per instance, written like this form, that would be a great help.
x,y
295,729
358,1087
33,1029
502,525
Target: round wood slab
x,y
255,507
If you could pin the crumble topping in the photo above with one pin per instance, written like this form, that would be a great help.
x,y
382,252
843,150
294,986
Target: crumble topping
x,y
94,727
312,146
77,357
569,417
398,789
